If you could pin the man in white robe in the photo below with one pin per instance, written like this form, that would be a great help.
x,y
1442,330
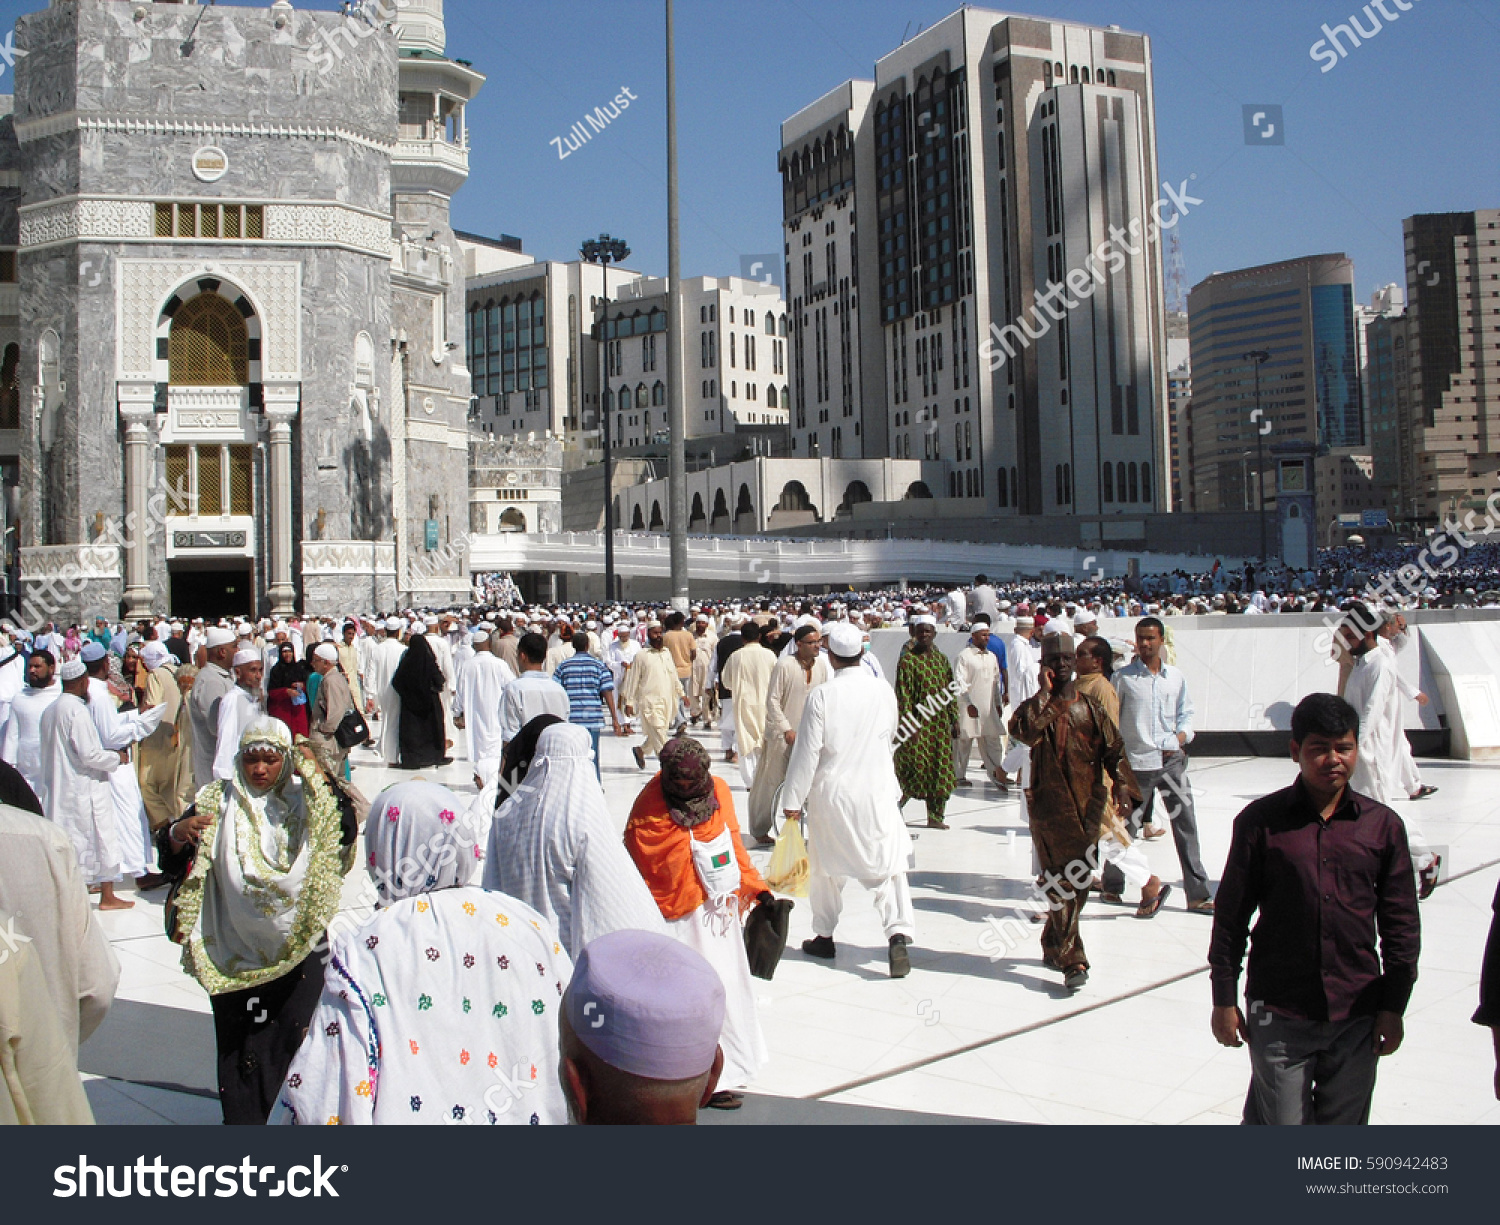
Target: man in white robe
x,y
75,794
793,679
747,675
21,739
1023,671
385,657
239,709
122,730
653,691
976,674
842,774
481,686
12,674
41,886
1373,692
1394,637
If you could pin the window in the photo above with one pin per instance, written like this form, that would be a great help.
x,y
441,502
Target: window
x,y
1109,482
1000,490
1145,482
1134,484
208,345
1120,482
182,219
659,393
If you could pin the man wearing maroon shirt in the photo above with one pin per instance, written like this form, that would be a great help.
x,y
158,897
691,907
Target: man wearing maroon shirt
x,y
1326,867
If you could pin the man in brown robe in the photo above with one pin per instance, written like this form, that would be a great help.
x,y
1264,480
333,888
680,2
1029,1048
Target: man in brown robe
x,y
1076,754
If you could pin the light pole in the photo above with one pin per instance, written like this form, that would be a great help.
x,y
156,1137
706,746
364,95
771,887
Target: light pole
x,y
1256,357
604,251
676,393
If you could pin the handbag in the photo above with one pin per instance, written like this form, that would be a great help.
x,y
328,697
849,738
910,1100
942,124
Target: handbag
x,y
765,936
352,730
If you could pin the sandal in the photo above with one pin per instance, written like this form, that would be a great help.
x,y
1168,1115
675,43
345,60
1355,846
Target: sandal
x,y
724,1100
1152,832
1148,907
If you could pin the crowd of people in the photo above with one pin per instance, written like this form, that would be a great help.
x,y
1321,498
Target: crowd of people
x,y
525,962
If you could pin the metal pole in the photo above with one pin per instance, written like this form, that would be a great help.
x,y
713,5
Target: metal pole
x,y
609,500
676,413
1260,469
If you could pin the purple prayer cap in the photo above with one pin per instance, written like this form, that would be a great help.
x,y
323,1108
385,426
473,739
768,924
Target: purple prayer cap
x,y
646,1004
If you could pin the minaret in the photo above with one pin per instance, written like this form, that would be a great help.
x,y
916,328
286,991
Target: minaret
x,y
431,439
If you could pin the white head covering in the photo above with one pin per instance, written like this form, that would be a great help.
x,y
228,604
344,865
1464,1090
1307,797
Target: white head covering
x,y
326,651
557,815
845,641
246,656
154,654
72,670
417,843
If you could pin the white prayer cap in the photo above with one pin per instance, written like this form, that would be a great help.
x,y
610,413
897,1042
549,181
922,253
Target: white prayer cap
x,y
244,629
924,619
175,627
1025,622
394,625
804,619
646,1004
430,621
247,656
154,654
219,637
1059,625
92,653
1004,604
522,618
479,636
845,640
72,670
487,626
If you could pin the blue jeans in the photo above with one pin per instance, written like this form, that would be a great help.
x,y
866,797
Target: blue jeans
x,y
594,734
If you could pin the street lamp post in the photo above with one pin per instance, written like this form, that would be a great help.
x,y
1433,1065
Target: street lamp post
x,y
1256,357
604,251
676,392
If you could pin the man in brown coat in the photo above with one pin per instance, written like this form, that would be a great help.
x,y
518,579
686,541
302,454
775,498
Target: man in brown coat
x,y
335,700
1078,769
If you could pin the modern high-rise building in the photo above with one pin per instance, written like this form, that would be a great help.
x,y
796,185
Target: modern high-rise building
x,y
1179,400
995,166
1450,436
1300,314
1383,370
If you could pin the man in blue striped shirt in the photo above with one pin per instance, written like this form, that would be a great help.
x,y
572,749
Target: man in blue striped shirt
x,y
590,688
1156,721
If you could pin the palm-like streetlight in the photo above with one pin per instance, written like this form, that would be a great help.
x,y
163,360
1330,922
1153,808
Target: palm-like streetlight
x,y
605,251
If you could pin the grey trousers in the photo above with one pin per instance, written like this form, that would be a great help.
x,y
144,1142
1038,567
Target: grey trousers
x,y
1310,1072
1171,781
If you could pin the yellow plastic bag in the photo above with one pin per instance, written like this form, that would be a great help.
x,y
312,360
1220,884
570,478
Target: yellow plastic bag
x,y
788,871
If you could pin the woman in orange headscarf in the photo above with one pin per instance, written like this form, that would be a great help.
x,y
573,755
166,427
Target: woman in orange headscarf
x,y
683,836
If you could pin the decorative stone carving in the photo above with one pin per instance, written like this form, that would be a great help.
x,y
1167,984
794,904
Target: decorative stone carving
x,y
328,225
334,558
275,287
86,219
52,562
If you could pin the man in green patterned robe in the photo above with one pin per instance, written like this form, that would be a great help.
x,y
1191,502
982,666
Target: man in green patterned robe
x,y
929,721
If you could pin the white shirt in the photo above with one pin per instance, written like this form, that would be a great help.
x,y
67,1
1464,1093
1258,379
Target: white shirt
x,y
75,786
843,775
529,695
1023,669
1373,692
21,740
1154,708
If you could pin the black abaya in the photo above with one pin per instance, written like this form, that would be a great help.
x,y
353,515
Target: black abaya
x,y
418,681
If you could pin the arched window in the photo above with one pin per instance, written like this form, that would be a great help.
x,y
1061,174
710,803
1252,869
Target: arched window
x,y
1120,482
10,388
637,522
1073,75
1109,482
1135,489
1145,482
208,345
642,396
1000,489
1059,482
1068,484
659,393
770,396
656,519
770,324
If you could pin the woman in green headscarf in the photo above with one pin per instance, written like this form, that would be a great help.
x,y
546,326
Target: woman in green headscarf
x,y
259,862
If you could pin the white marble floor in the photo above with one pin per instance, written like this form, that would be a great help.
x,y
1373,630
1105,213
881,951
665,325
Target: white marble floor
x,y
972,1032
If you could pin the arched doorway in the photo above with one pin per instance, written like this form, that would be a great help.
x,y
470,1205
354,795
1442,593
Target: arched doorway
x,y
857,492
637,522
656,519
512,520
794,508
697,520
719,521
209,334
917,489
744,514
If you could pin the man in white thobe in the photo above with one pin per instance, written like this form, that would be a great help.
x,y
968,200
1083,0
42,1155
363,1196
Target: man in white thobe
x,y
239,709
41,886
747,675
652,691
385,657
12,674
976,675
1394,637
842,774
122,730
481,686
1373,692
793,679
75,793
1023,670
21,739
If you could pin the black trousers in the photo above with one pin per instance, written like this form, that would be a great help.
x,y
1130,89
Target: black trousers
x,y
258,1031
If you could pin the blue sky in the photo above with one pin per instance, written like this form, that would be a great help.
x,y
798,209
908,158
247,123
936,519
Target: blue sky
x,y
1409,122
